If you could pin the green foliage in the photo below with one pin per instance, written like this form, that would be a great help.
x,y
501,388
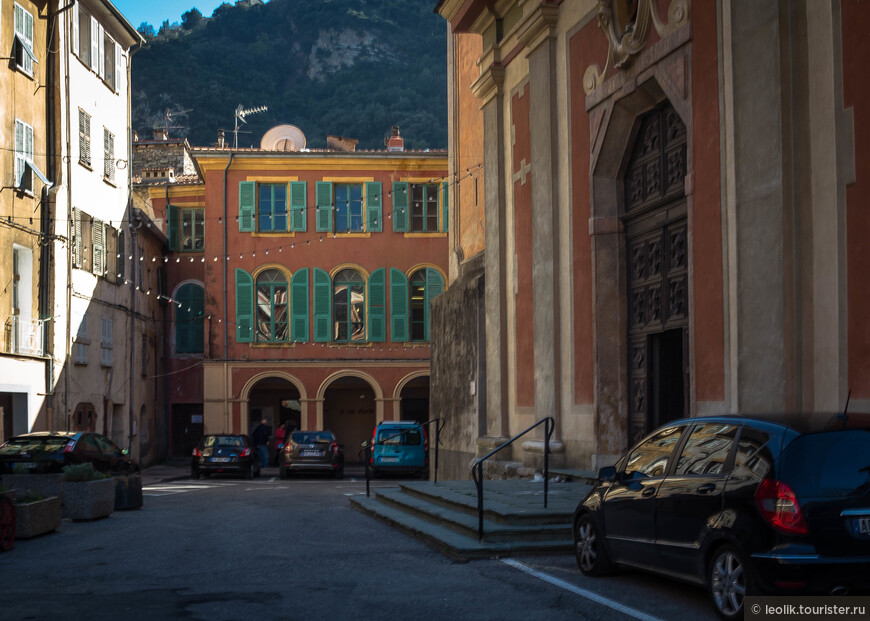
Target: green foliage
x,y
191,19
28,497
347,67
82,472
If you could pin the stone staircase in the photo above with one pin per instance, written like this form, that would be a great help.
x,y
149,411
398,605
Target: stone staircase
x,y
444,515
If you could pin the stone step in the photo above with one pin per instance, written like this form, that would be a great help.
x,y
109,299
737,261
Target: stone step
x,y
447,540
458,519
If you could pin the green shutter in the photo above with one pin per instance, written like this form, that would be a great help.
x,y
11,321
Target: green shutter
x,y
298,203
299,306
445,207
374,215
434,287
322,305
196,330
244,306
401,201
247,206
377,300
324,208
122,258
172,226
398,306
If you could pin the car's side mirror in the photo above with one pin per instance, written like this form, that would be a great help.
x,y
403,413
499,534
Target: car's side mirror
x,y
125,451
607,474
364,444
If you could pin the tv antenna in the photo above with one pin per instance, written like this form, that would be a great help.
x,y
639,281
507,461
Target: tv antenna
x,y
241,113
167,118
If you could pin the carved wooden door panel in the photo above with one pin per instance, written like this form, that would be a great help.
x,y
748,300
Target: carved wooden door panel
x,y
657,279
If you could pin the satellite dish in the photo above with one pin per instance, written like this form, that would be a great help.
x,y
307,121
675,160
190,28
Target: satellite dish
x,y
283,138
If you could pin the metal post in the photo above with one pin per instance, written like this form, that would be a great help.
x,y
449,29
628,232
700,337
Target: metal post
x,y
437,442
546,460
479,482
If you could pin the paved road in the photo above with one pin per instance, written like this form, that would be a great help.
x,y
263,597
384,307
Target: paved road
x,y
224,549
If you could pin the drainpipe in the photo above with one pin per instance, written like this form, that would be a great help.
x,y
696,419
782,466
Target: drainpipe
x,y
228,422
134,269
69,232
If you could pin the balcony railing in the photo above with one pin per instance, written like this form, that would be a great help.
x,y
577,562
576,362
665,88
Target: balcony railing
x,y
24,337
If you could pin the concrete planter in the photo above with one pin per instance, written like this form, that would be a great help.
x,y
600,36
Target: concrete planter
x,y
42,484
128,492
37,518
88,500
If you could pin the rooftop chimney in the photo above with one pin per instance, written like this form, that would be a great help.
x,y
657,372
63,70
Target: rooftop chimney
x,y
395,142
340,143
161,134
221,141
135,136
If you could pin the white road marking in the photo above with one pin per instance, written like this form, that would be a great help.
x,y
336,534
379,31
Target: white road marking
x,y
595,597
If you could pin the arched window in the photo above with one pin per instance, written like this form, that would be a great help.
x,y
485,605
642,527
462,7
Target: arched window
x,y
188,319
272,307
425,284
348,306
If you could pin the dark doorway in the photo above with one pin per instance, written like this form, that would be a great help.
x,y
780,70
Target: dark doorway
x,y
415,400
667,389
187,428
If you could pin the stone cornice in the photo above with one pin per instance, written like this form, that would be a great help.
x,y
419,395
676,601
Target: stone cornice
x,y
489,84
539,27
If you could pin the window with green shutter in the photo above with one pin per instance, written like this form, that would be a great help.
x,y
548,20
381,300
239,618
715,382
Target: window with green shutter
x,y
348,207
425,285
299,306
348,307
247,205
324,206
377,303
244,306
424,208
322,305
401,213
298,203
189,326
272,207
272,307
172,226
398,306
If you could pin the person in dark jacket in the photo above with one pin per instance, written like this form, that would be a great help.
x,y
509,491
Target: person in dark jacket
x,y
260,436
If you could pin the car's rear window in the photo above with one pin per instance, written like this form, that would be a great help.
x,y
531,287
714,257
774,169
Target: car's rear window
x,y
17,446
834,463
312,437
223,441
398,435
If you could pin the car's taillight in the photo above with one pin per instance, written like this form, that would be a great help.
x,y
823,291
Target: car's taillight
x,y
372,447
334,448
69,447
245,452
780,507
196,453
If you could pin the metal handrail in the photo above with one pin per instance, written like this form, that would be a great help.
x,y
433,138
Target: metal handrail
x,y
477,468
370,447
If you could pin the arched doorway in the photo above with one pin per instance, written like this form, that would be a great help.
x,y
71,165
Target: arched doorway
x,y
414,400
656,242
349,412
277,400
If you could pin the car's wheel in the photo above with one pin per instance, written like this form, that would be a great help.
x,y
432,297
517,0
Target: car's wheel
x,y
589,550
729,580
249,471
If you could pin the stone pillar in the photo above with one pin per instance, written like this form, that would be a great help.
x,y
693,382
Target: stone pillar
x,y
489,88
539,35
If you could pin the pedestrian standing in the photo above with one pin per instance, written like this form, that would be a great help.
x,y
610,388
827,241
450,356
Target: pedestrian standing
x,y
260,436
280,435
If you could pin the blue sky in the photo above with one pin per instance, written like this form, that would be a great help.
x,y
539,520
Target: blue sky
x,y
155,11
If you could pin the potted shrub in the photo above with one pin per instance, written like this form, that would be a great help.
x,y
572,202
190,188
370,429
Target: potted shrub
x,y
35,514
87,494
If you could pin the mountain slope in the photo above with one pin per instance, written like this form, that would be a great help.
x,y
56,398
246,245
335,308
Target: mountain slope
x,y
342,67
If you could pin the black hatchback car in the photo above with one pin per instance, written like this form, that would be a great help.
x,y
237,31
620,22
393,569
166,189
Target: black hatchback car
x,y
225,454
740,505
44,451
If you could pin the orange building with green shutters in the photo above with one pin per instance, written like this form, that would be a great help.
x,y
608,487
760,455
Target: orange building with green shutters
x,y
298,285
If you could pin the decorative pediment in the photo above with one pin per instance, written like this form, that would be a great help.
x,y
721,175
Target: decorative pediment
x,y
626,24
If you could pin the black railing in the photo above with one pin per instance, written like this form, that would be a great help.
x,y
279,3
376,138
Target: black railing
x,y
368,448
477,469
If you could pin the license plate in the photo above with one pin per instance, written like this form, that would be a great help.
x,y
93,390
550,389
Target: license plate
x,y
221,460
389,460
27,464
311,453
864,526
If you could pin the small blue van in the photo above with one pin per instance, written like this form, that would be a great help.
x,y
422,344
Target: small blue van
x,y
400,447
